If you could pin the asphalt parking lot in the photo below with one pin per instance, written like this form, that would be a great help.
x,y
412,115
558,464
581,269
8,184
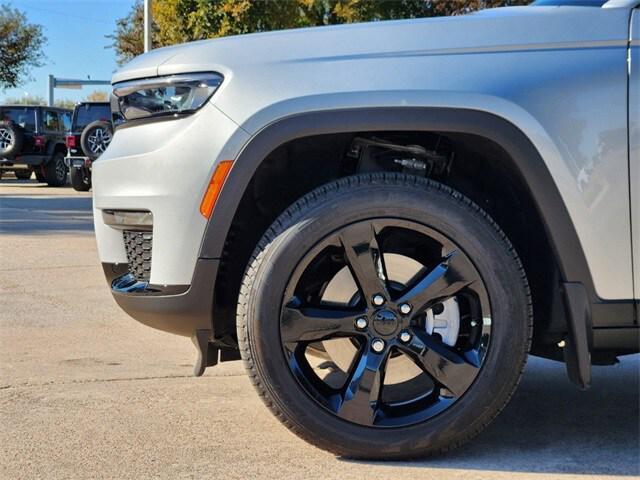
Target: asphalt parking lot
x,y
86,392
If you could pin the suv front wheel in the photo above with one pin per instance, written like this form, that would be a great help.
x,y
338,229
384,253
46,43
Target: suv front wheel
x,y
55,172
385,316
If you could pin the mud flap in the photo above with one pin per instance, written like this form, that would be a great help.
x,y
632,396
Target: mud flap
x,y
210,350
577,350
207,352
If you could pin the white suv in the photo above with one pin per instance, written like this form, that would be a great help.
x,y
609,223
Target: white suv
x,y
384,219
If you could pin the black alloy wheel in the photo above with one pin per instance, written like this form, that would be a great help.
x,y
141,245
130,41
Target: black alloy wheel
x,y
385,316
385,319
7,138
95,138
56,171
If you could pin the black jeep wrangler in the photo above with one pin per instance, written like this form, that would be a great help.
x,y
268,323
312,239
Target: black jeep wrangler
x,y
90,135
32,139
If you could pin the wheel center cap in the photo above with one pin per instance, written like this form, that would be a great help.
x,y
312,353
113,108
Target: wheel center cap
x,y
385,322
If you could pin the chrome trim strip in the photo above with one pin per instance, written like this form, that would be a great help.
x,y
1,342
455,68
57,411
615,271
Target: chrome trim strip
x,y
128,219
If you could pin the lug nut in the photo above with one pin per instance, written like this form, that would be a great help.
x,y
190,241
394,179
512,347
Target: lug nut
x,y
377,345
378,300
405,309
405,336
361,323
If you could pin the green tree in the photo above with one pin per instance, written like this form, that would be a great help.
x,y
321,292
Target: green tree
x,y
38,100
20,47
26,100
128,40
97,96
178,21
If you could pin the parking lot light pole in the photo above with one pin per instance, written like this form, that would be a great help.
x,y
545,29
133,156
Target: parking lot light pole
x,y
52,84
147,25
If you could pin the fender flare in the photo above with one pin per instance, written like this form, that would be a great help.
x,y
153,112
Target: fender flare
x,y
542,188
51,149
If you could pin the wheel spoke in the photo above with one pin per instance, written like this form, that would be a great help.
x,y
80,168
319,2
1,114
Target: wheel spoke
x,y
442,363
453,274
365,260
315,324
361,395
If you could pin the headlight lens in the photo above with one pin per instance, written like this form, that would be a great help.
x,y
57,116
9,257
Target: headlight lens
x,y
162,97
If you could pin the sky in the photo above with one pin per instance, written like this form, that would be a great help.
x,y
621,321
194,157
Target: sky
x,y
75,31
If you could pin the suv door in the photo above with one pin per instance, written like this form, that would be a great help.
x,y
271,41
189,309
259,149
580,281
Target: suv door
x,y
50,121
53,127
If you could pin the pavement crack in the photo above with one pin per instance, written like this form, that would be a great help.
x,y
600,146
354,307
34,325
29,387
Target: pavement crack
x,y
107,380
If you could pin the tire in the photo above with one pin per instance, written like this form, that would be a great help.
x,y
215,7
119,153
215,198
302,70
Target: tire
x,y
79,180
11,139
400,210
55,171
95,138
23,174
39,175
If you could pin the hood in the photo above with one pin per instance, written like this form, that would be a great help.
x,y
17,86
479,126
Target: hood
x,y
495,29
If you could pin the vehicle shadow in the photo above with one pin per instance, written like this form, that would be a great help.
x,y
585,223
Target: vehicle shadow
x,y
551,427
45,215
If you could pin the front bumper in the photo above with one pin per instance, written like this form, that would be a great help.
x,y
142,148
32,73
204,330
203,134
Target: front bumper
x,y
163,168
178,309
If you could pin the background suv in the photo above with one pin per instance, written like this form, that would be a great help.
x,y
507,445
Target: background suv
x,y
90,135
384,219
32,140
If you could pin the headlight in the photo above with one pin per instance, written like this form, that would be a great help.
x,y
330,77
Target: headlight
x,y
170,96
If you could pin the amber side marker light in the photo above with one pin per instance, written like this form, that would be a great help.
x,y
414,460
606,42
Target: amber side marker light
x,y
214,188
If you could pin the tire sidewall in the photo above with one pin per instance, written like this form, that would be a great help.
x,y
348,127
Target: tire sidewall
x,y
450,215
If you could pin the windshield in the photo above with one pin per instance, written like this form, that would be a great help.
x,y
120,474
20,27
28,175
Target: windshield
x,y
23,116
87,113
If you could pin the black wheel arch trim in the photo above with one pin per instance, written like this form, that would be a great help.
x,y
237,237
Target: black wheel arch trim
x,y
558,224
54,147
543,190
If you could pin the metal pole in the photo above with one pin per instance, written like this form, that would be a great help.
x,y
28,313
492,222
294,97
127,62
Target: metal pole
x,y
147,25
51,84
